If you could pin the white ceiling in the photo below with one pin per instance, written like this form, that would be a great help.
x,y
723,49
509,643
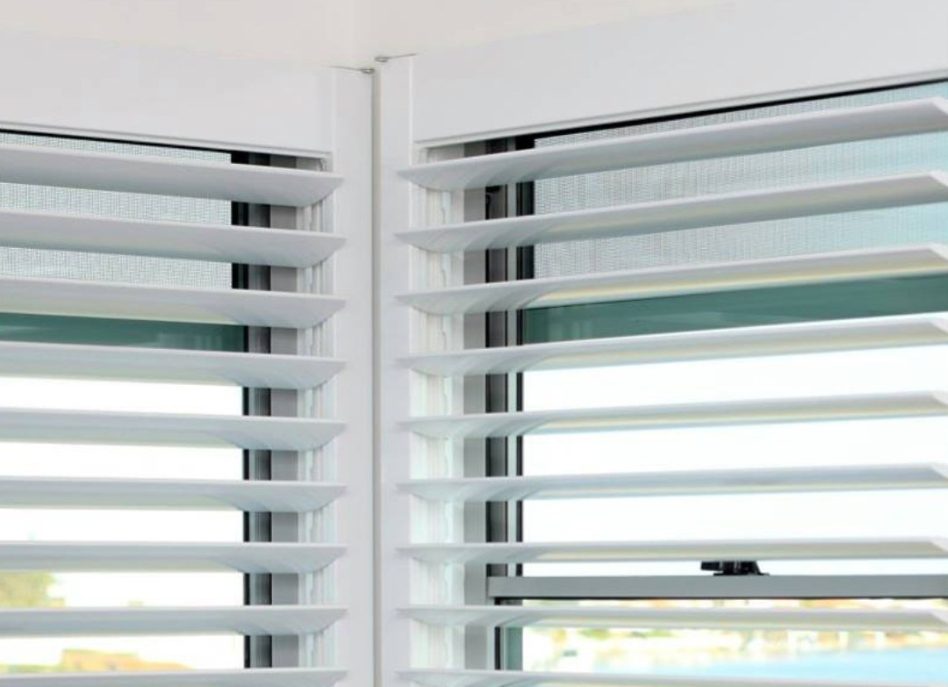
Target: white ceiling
x,y
319,32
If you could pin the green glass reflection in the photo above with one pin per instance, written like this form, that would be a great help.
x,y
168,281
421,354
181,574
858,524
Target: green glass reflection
x,y
114,332
869,298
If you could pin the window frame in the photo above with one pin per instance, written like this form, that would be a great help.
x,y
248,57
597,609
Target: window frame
x,y
507,585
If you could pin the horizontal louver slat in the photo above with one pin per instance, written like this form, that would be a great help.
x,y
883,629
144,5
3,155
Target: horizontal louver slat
x,y
509,678
247,620
244,557
73,298
882,332
686,213
486,425
737,619
81,361
757,480
699,143
755,550
247,495
248,677
888,263
165,176
219,243
166,429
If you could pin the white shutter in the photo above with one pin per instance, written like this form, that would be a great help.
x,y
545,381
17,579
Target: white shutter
x,y
301,308
433,375
312,627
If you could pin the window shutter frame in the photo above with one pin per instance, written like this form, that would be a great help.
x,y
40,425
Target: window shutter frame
x,y
322,117
436,113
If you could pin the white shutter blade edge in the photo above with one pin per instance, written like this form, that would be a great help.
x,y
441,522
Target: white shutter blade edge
x,y
82,361
20,164
446,677
606,287
75,298
245,620
685,213
281,496
676,483
167,429
697,550
213,242
247,677
786,132
247,557
828,620
703,414
803,337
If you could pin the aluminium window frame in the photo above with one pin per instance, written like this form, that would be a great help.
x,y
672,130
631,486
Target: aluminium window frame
x,y
165,96
506,588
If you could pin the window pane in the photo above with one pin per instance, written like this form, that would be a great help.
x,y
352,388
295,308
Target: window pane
x,y
886,157
27,262
47,589
102,654
880,513
918,657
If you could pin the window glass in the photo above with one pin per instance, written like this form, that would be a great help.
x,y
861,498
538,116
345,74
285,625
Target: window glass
x,y
35,589
915,657
850,656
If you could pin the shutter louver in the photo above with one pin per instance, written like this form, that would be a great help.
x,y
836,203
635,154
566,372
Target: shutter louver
x,y
741,138
299,308
443,486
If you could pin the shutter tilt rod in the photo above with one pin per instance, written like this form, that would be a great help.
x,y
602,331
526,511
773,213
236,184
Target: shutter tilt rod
x,y
732,568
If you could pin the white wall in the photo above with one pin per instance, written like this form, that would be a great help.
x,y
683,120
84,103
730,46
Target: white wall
x,y
317,32
396,27
320,32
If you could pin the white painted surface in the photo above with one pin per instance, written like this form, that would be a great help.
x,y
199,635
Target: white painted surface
x,y
733,53
780,339
73,297
513,678
692,212
130,91
213,242
682,415
317,32
253,620
624,484
660,282
800,130
911,620
253,677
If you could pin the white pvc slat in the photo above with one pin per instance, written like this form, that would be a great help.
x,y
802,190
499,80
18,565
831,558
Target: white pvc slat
x,y
81,361
805,337
220,243
699,550
699,143
823,268
166,429
245,495
245,620
687,213
830,408
247,677
510,678
835,620
165,176
90,556
70,297
680,483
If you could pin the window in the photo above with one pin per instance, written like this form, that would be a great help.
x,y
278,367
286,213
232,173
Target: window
x,y
149,313
882,511
677,448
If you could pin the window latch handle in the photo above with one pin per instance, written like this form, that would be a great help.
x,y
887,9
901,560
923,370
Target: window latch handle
x,y
732,568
